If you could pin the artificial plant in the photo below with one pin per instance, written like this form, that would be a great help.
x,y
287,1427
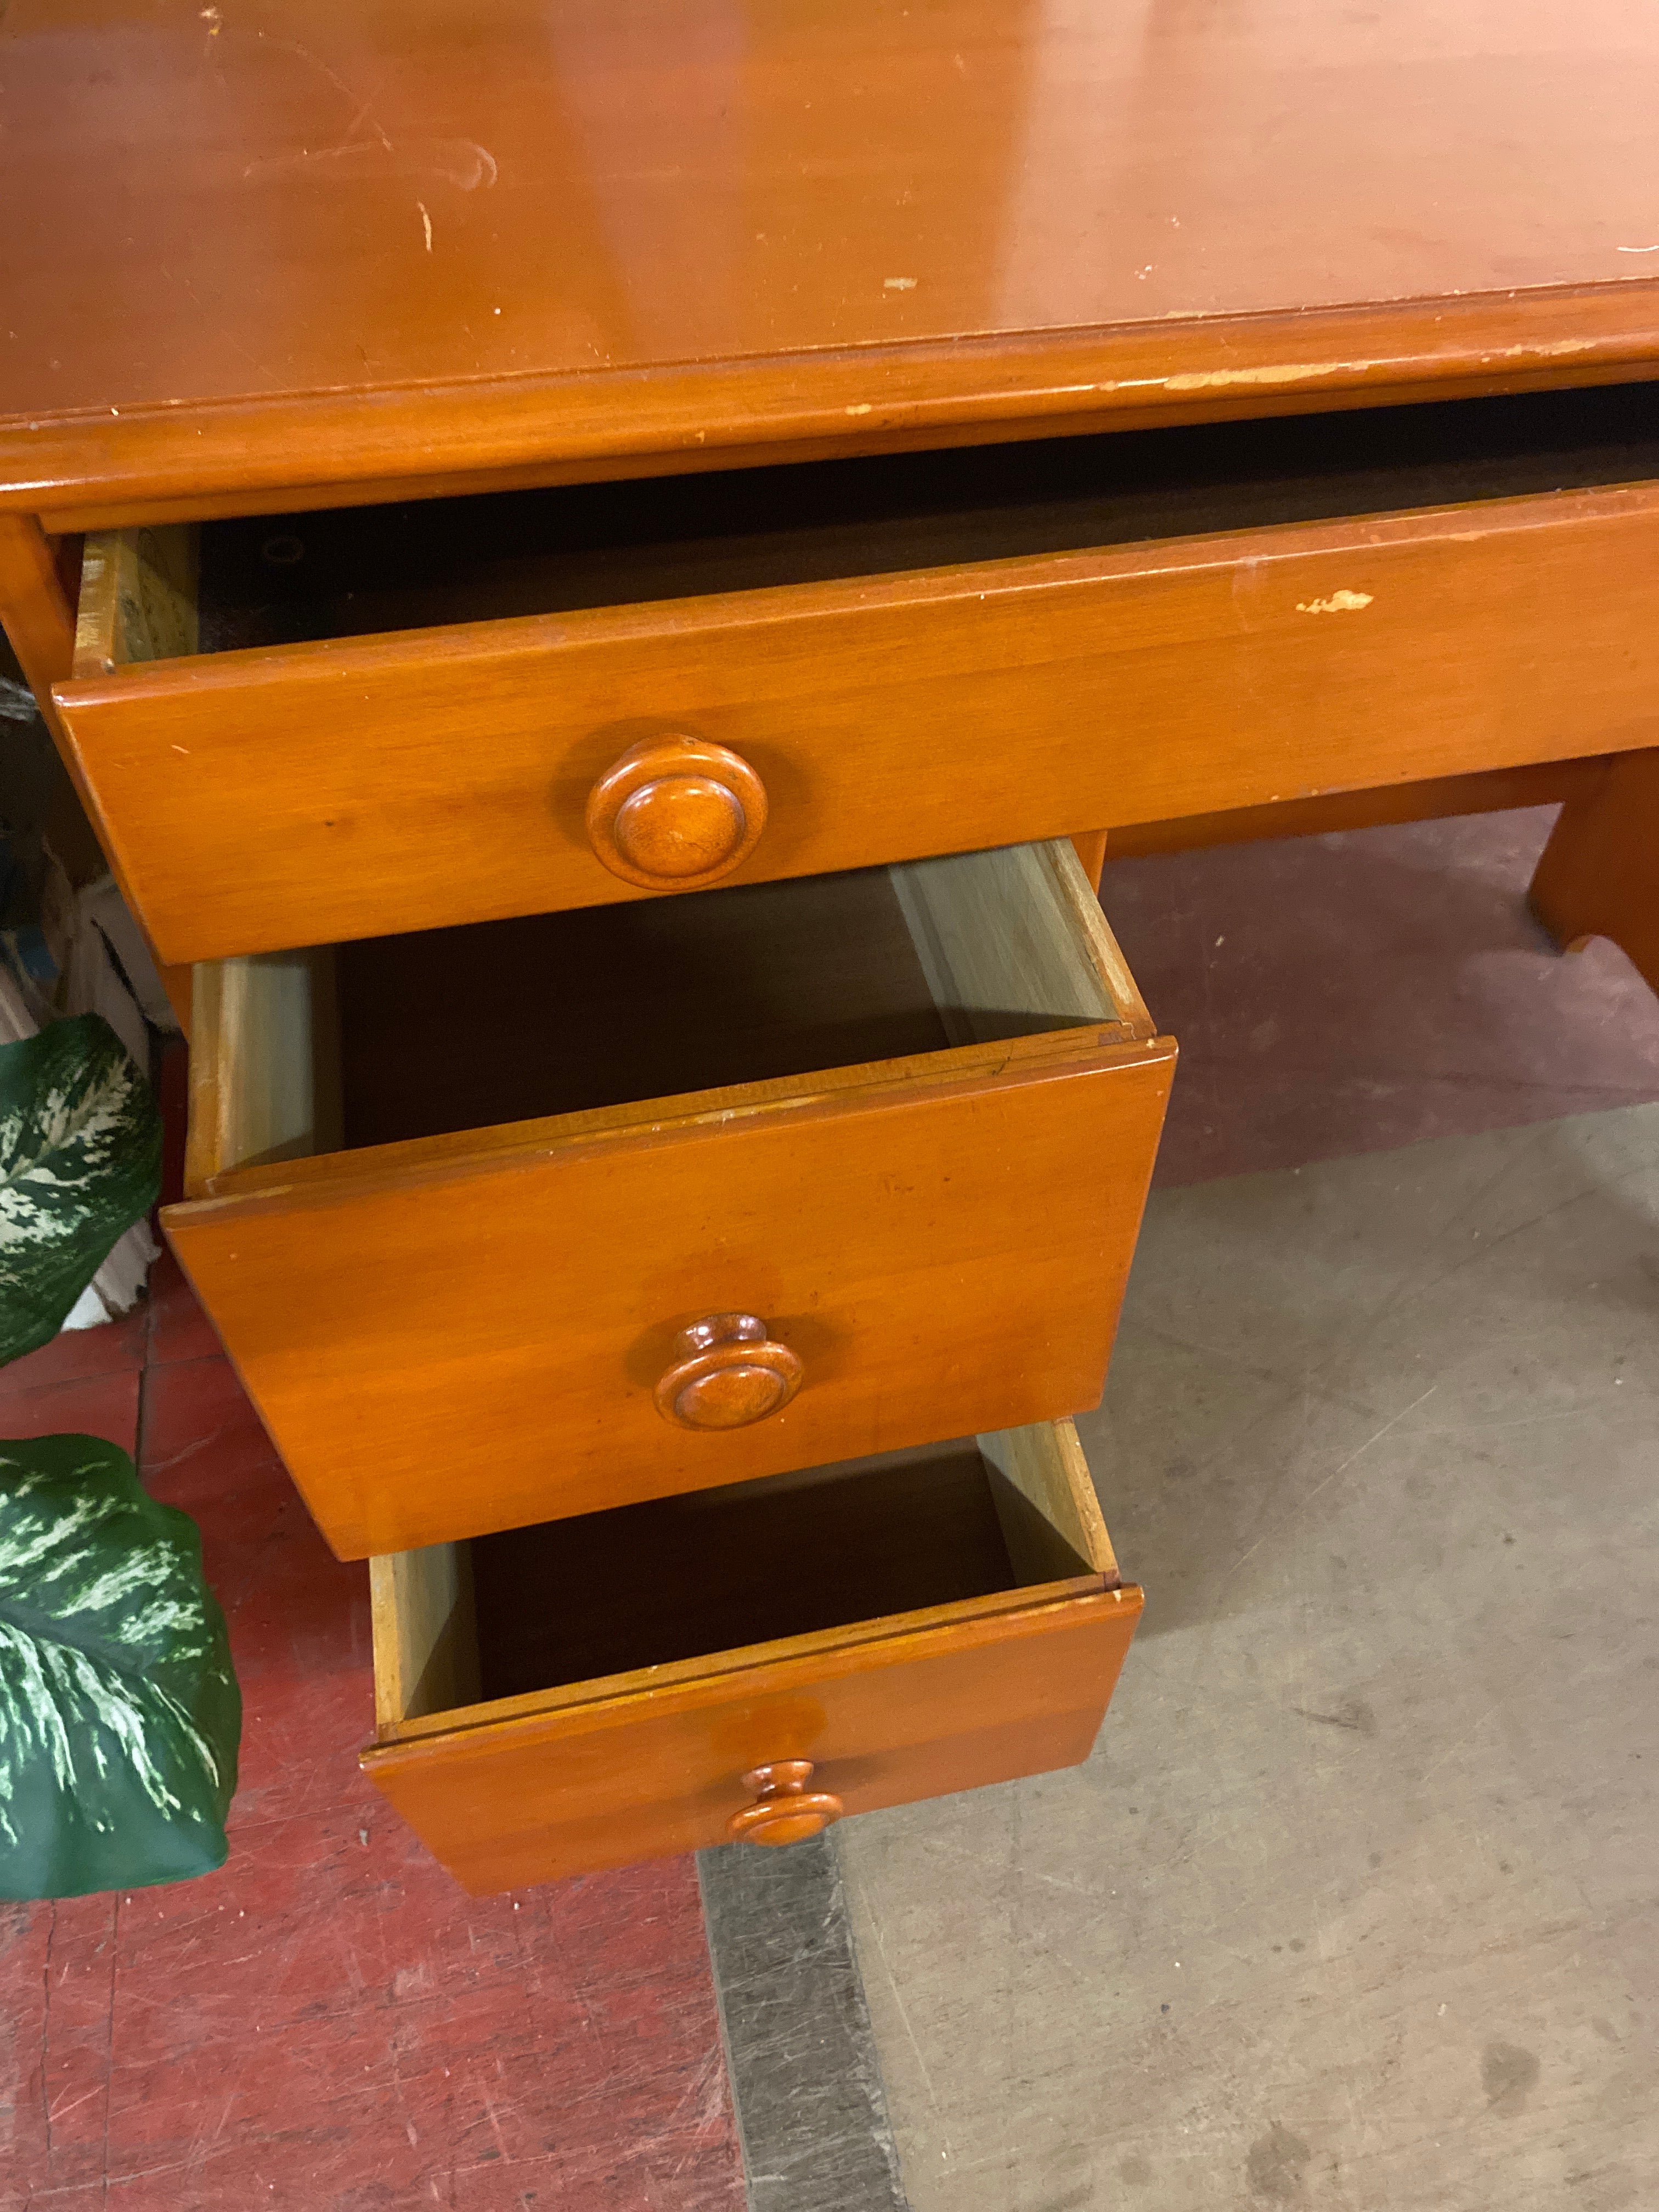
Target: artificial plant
x,y
120,1712
80,1162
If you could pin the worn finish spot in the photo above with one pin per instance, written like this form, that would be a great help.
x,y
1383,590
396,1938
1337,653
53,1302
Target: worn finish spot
x,y
1136,2169
1507,2073
1289,372
1274,2166
1340,602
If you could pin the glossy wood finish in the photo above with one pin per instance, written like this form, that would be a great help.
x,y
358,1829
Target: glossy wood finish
x,y
996,1656
784,1811
264,1086
1598,874
726,1373
673,814
38,620
496,239
1127,686
1090,845
917,1227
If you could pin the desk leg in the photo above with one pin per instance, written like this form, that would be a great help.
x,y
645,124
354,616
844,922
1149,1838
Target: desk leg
x,y
1599,875
1090,845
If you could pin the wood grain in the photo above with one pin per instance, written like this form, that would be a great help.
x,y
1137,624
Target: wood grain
x,y
425,1631
264,1072
915,1230
1138,684
584,1773
479,252
139,599
1090,845
726,1372
921,1247
1012,940
785,1810
35,610
671,814
657,1769
1045,1466
1598,874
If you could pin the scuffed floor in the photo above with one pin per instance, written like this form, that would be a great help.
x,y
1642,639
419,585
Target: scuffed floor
x,y
1353,1908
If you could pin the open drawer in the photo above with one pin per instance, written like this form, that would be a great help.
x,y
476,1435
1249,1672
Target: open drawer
x,y
535,1218
440,712
748,1662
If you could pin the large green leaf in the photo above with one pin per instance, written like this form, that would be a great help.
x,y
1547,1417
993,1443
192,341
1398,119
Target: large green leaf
x,y
119,1713
80,1162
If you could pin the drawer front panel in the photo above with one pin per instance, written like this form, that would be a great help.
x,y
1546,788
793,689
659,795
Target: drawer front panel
x,y
655,1772
940,1256
301,795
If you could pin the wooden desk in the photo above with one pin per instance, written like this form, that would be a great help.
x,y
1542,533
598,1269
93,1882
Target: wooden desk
x,y
843,439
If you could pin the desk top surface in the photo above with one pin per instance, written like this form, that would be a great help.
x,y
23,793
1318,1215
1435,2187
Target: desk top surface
x,y
336,243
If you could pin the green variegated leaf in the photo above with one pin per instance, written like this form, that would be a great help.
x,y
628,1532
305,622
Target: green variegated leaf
x,y
80,1162
120,1712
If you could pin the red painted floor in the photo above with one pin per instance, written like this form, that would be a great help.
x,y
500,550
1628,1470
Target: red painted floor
x,y
329,2024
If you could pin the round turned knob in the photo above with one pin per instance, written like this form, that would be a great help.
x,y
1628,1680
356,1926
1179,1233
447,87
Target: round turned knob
x,y
785,1810
726,1373
674,813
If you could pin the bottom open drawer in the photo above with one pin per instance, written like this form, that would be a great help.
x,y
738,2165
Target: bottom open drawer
x,y
752,1661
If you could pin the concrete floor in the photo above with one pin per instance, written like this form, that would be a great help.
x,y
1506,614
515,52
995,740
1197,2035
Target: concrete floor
x,y
1353,1907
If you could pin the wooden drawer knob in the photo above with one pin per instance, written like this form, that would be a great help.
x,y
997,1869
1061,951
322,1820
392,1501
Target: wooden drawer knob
x,y
726,1373
674,813
785,1810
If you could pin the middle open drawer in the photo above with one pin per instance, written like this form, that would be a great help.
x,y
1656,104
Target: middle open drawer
x,y
530,1218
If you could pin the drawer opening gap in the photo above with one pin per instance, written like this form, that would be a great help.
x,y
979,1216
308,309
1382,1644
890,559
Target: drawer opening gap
x,y
335,573
394,1039
641,1586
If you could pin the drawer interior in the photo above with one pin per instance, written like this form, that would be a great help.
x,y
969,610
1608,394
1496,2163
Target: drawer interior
x,y
396,1038
286,580
682,1579
348,571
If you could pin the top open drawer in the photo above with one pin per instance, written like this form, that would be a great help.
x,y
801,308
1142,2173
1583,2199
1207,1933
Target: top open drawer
x,y
312,728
